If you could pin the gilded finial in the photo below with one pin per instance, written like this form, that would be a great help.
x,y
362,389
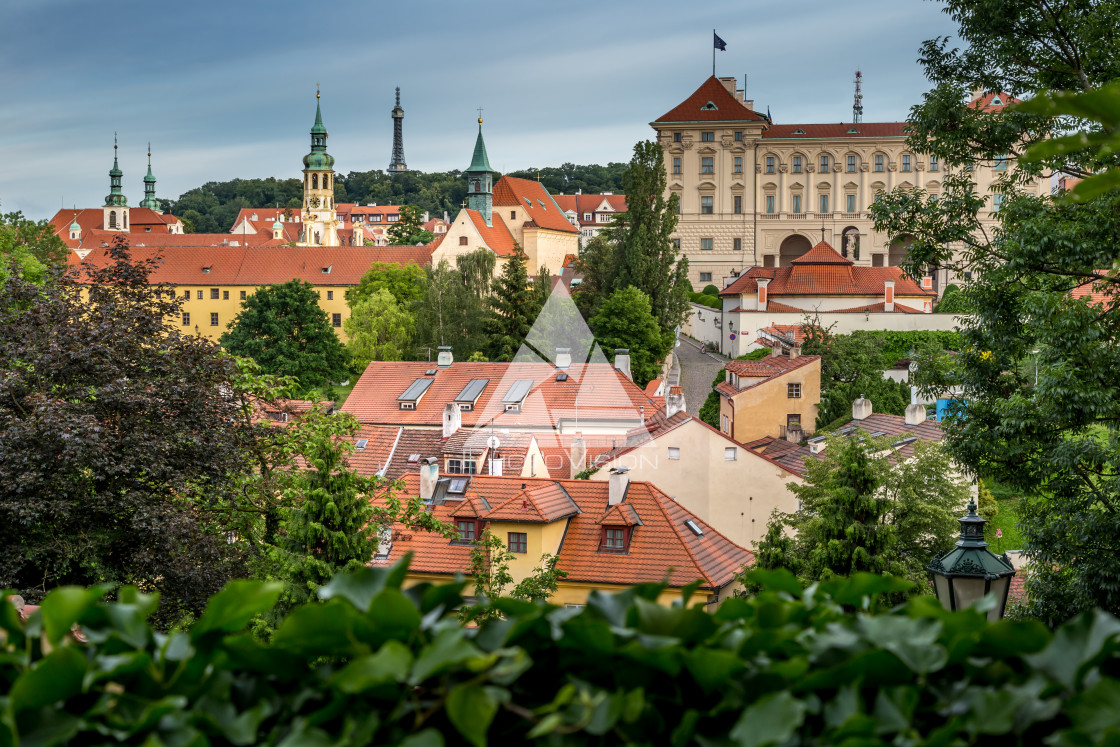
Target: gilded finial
x,y
316,90
480,115
149,152
114,141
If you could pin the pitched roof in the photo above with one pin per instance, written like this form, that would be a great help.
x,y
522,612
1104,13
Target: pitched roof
x,y
661,547
591,391
583,204
793,459
1099,292
984,102
257,265
497,237
839,130
695,108
770,366
822,254
533,198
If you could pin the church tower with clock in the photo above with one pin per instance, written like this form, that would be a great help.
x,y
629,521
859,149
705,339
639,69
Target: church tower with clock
x,y
320,221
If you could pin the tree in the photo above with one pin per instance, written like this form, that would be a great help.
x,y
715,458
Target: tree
x,y
450,314
489,570
115,431
405,282
20,236
641,244
626,321
858,512
283,329
511,310
378,330
1054,442
409,228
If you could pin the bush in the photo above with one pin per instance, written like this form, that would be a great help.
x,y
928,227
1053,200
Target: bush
x,y
709,411
710,290
706,300
376,663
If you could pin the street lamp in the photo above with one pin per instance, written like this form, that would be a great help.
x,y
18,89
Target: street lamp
x,y
966,574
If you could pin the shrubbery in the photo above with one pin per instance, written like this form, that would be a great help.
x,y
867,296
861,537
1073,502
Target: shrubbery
x,y
375,663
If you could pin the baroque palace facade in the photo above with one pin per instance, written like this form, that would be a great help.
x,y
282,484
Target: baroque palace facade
x,y
758,194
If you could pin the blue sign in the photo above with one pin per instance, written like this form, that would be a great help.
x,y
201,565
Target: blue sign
x,y
732,336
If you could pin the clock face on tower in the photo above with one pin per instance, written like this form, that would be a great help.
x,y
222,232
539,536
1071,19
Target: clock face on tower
x,y
313,202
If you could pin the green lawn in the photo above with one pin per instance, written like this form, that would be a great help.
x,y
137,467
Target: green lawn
x,y
1006,520
341,393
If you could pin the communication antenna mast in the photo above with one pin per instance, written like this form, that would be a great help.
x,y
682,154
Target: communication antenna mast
x,y
857,103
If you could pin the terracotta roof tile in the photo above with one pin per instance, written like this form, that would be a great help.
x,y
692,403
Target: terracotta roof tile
x,y
728,108
822,254
770,366
535,200
840,130
497,236
983,102
661,547
584,204
541,504
1099,292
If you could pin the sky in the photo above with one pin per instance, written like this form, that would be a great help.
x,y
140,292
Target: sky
x,y
227,89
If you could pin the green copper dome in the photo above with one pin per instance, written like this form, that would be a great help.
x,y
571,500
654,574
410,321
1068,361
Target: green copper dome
x,y
480,162
277,225
318,159
74,226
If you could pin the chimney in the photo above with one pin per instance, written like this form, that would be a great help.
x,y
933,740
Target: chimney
x,y
674,403
452,419
563,358
384,541
762,283
617,484
444,358
775,349
429,476
729,84
578,456
888,295
793,433
915,414
795,350
817,445
861,408
927,283
622,362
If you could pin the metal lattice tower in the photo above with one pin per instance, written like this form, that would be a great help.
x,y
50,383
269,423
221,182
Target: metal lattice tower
x,y
857,104
397,164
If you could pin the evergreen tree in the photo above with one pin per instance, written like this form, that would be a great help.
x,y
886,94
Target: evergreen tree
x,y
512,310
282,328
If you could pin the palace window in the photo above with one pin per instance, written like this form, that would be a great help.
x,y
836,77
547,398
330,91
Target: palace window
x,y
614,539
738,135
878,163
797,204
200,295
933,163
851,206
738,164
824,203
330,295
707,165
1001,163
707,137
905,162
518,542
997,202
676,164
851,164
770,204
769,164
225,295
214,319
705,245
705,277
676,137
737,244
186,318
797,164
706,205
824,164
677,244
214,293
738,204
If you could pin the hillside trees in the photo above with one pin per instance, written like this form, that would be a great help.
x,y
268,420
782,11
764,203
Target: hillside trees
x,y
282,328
1055,442
115,431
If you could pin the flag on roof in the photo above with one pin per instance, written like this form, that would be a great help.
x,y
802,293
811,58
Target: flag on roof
x,y
768,114
720,44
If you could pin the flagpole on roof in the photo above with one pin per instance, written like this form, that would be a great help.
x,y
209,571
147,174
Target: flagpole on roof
x,y
713,53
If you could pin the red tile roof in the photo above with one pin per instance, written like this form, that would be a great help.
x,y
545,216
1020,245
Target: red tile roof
x,y
983,102
770,366
591,391
1099,292
822,271
583,204
497,236
728,108
840,130
255,266
533,198
795,332
661,546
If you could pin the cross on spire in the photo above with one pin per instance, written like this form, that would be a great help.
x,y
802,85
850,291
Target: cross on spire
x,y
480,115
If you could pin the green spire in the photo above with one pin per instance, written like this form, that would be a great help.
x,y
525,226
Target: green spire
x,y
318,159
480,162
115,198
150,200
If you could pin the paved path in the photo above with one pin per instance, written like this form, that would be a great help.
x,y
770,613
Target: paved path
x,y
696,373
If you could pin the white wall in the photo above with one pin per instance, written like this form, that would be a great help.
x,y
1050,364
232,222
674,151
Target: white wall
x,y
706,329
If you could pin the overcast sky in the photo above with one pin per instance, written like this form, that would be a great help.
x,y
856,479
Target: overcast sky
x,y
227,89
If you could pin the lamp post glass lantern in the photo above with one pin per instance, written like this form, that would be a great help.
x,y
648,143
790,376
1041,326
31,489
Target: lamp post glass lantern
x,y
969,572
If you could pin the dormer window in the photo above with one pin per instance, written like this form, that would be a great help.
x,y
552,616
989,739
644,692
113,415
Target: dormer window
x,y
799,131
615,539
468,530
709,107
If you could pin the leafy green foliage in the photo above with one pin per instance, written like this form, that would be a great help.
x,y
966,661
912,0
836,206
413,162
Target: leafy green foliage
x,y
489,572
637,248
711,301
513,306
409,228
986,504
376,663
852,366
710,290
114,434
709,411
453,310
378,330
625,320
406,282
858,512
282,328
33,243
568,178
953,301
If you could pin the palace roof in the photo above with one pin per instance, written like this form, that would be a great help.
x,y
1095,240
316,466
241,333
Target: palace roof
x,y
711,102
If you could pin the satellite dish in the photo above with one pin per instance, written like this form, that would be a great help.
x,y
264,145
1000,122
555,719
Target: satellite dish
x,y
493,442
